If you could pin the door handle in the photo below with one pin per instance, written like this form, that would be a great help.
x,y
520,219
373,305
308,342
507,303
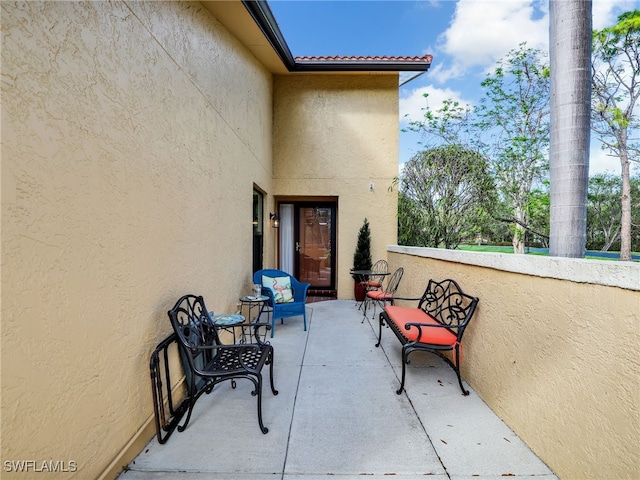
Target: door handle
x,y
297,246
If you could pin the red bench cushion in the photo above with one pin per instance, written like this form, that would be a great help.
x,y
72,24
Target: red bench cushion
x,y
435,336
380,295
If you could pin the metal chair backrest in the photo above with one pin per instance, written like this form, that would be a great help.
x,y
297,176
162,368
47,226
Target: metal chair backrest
x,y
193,326
394,281
381,266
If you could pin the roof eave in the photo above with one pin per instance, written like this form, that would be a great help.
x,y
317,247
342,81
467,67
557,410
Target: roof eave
x,y
360,66
262,15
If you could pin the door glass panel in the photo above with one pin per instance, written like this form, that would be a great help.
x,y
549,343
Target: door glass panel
x,y
314,248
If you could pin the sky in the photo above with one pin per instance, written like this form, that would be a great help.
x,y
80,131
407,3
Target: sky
x,y
465,37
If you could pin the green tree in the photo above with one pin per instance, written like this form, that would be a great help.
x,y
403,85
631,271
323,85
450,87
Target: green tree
x,y
615,92
498,230
452,123
362,255
446,194
510,127
514,114
538,212
570,52
603,211
536,230
635,213
411,225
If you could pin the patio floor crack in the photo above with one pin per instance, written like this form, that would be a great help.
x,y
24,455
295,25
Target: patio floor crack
x,y
295,397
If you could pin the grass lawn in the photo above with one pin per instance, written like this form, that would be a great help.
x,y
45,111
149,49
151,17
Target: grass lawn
x,y
487,248
592,254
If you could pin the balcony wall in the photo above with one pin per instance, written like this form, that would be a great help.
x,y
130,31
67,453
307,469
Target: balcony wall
x,y
553,349
132,136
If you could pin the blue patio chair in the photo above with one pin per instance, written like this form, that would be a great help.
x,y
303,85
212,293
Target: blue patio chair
x,y
284,301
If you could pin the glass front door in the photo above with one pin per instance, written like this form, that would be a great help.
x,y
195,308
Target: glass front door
x,y
308,242
314,245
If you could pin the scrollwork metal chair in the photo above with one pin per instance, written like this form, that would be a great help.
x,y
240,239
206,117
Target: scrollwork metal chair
x,y
374,281
207,361
382,297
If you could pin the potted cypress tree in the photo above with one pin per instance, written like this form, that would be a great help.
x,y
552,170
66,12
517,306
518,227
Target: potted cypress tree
x,y
362,258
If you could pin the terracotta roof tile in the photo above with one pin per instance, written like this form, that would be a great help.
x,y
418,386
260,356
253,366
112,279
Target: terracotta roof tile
x,y
384,58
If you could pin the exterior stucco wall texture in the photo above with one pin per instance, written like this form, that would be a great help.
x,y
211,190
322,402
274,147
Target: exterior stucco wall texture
x,y
335,136
557,359
132,136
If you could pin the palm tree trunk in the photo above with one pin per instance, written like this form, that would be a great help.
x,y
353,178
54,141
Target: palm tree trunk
x,y
570,56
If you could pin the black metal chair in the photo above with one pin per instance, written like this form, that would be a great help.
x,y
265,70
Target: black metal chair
x,y
382,297
374,281
207,361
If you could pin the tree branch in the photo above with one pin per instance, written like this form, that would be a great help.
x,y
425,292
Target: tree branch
x,y
523,225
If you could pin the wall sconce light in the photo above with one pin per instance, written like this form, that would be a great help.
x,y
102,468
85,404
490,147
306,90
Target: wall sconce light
x,y
275,220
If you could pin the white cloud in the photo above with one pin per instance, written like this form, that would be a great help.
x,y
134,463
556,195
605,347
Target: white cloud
x,y
605,12
441,73
428,4
482,32
413,103
601,161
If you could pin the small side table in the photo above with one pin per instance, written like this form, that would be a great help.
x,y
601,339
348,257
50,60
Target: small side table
x,y
251,302
226,320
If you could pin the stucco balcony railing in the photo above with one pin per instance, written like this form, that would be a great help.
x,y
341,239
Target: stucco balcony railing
x,y
553,349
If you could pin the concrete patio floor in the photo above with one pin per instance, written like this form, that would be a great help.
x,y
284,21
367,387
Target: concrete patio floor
x,y
337,416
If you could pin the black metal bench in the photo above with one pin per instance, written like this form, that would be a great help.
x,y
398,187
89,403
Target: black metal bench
x,y
206,361
436,325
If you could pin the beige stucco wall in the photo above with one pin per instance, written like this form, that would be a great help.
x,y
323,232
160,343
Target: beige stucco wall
x,y
554,351
132,135
334,136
